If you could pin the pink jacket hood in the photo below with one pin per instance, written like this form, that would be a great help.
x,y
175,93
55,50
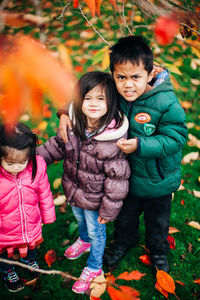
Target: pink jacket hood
x,y
24,205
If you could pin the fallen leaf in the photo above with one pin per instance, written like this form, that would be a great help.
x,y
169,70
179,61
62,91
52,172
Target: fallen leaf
x,y
165,281
194,224
118,295
173,230
161,290
171,241
145,259
182,202
134,275
180,282
197,281
57,182
129,290
59,200
190,248
50,257
196,193
192,156
98,286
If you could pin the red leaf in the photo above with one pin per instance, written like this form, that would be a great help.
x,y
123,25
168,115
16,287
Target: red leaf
x,y
145,259
50,257
94,298
171,241
75,3
183,202
119,295
165,29
158,287
134,275
129,290
197,281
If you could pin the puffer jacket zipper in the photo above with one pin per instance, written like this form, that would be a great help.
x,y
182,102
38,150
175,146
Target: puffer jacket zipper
x,y
22,212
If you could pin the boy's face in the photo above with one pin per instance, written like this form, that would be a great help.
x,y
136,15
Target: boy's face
x,y
131,80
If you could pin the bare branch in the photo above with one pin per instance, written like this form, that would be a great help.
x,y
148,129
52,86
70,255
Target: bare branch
x,y
64,10
39,13
93,27
124,19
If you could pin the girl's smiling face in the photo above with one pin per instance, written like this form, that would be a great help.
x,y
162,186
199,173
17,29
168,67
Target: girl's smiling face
x,y
15,161
94,105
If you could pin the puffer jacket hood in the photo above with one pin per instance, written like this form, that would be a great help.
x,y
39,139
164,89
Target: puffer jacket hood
x,y
24,205
96,171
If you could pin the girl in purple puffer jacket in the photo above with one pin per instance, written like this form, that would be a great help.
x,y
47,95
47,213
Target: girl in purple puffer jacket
x,y
96,172
25,201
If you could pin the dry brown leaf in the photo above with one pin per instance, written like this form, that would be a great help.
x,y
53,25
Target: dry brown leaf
x,y
194,224
59,200
192,156
57,182
98,286
196,193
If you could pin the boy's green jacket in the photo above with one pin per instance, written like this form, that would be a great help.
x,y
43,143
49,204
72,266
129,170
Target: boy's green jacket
x,y
157,119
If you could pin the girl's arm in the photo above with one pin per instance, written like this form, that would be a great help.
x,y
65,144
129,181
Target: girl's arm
x,y
116,188
52,150
46,203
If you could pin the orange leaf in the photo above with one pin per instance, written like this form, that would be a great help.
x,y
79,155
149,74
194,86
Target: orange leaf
x,y
171,241
92,6
129,290
110,279
173,230
98,5
158,287
197,281
145,259
114,4
180,282
50,257
134,275
165,281
119,295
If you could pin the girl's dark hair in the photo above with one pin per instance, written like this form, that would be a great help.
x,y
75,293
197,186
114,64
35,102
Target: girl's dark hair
x,y
19,137
133,49
86,83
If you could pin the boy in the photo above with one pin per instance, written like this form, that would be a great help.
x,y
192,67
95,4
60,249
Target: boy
x,y
157,133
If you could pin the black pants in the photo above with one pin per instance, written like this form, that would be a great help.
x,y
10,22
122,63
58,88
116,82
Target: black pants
x,y
156,216
31,255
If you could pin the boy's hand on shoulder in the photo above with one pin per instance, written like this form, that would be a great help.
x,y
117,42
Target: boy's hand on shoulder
x,y
65,122
127,146
101,220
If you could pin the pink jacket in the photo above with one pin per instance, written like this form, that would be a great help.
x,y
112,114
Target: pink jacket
x,y
24,205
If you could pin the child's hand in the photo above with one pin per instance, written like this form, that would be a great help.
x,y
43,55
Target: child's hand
x,y
127,146
65,122
102,221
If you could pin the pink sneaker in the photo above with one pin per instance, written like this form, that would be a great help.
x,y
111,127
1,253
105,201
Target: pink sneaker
x,y
77,249
82,285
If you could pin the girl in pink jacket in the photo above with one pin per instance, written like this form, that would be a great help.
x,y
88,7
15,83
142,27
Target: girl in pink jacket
x,y
25,201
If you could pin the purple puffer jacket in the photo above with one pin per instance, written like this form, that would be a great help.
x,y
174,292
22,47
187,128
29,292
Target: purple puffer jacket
x,y
96,171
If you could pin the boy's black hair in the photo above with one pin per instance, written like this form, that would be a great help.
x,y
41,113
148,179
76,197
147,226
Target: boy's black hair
x,y
133,49
85,84
19,137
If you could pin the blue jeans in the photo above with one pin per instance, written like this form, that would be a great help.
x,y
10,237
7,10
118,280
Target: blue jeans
x,y
91,231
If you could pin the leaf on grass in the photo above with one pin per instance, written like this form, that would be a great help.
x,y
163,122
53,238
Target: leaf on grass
x,y
134,275
160,289
129,290
98,286
173,230
171,241
180,282
197,281
145,259
192,156
196,193
119,295
59,200
57,182
165,281
110,278
194,224
50,257
182,202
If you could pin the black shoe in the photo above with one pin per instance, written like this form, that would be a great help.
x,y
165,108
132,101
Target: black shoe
x,y
12,281
113,254
31,276
159,261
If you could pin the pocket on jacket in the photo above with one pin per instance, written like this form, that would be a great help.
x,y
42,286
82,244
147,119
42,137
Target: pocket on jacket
x,y
94,186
